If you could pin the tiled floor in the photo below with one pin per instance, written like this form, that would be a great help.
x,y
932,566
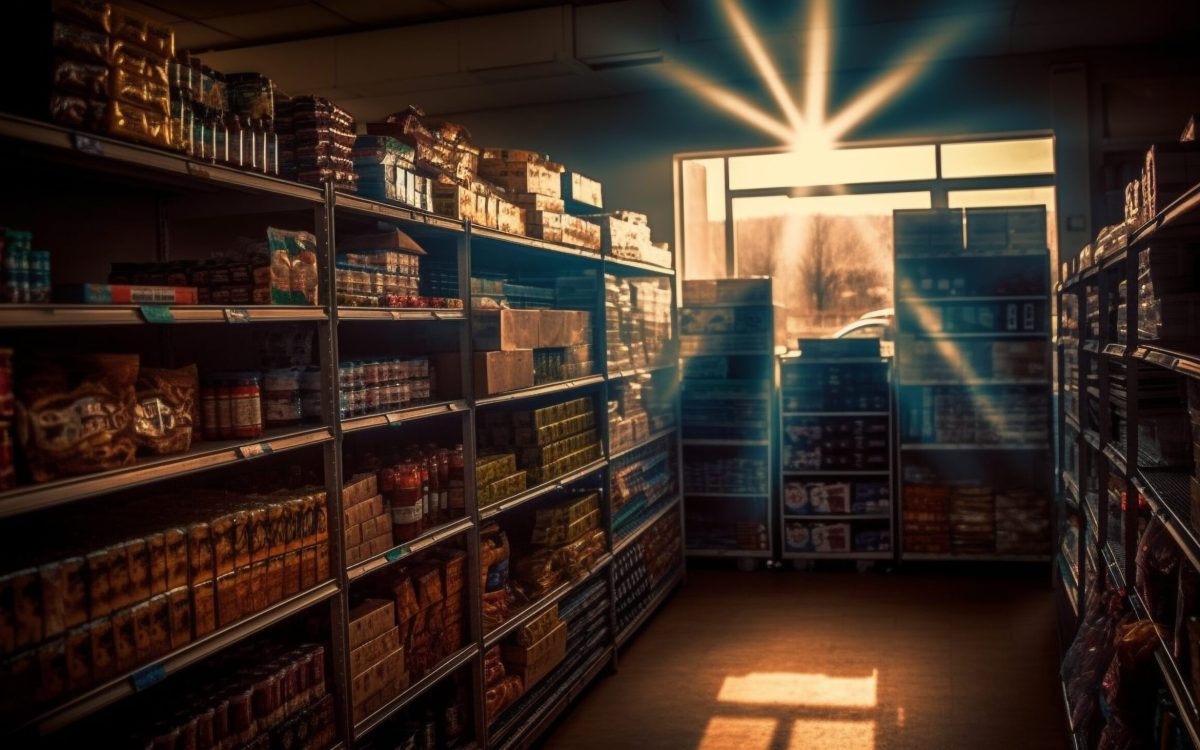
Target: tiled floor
x,y
833,661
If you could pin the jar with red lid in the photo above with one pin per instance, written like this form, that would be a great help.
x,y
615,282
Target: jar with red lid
x,y
245,396
407,504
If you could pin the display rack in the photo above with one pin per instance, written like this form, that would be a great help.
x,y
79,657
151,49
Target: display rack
x,y
1119,385
824,401
730,332
973,385
171,197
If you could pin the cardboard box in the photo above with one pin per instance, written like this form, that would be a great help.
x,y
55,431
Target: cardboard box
x,y
532,202
582,191
580,233
370,619
741,291
374,650
505,330
535,661
521,177
387,671
494,372
546,225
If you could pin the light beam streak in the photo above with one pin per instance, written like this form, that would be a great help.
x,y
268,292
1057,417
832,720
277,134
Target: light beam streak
x,y
817,72
731,103
766,67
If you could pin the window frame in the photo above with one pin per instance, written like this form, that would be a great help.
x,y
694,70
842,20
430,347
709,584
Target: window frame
x,y
938,187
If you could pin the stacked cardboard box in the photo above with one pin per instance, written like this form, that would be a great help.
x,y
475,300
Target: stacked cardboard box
x,y
497,477
626,234
429,599
535,184
1022,523
377,672
567,542
1000,231
547,442
833,443
926,518
387,172
316,140
972,520
539,647
638,317
368,523
933,232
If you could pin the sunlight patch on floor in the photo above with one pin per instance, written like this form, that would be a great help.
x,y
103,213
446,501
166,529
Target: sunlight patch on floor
x,y
797,689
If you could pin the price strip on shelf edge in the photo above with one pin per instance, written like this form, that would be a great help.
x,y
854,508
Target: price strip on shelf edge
x,y
157,314
254,450
86,144
148,677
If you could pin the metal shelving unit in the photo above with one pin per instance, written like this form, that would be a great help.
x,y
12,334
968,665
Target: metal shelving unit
x,y
803,406
200,191
956,354
1110,354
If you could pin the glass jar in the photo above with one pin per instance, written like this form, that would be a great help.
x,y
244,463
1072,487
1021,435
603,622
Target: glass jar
x,y
245,395
281,398
406,502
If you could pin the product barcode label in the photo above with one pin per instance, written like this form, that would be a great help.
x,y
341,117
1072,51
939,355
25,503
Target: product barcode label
x,y
157,314
87,144
254,451
151,675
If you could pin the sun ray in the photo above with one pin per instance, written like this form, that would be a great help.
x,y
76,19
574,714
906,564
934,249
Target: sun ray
x,y
731,103
749,39
817,66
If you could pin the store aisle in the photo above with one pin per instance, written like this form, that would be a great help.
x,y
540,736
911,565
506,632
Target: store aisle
x,y
834,661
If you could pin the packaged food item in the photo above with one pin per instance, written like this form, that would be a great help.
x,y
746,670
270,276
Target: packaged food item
x,y
166,409
293,267
139,124
76,414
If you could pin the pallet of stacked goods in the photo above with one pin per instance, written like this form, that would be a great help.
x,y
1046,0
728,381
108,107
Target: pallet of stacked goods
x,y
645,572
729,332
1139,366
836,451
973,378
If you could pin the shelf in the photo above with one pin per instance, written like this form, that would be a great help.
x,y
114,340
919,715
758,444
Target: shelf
x,y
840,517
1177,684
620,373
48,316
1077,742
1184,364
924,556
772,352
537,491
688,494
1072,422
532,611
124,686
1169,494
1114,561
1116,459
590,673
411,547
540,390
719,442
642,444
403,416
837,555
367,207
979,298
747,553
797,359
824,473
437,674
1173,221
203,456
489,236
975,446
620,264
400,313
630,537
656,600
1092,438
1115,351
969,255
992,382
1092,346
977,335
1072,487
153,166
837,413
1093,514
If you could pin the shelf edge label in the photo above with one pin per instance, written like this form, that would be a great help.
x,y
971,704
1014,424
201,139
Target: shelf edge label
x,y
237,315
148,677
254,451
157,314
87,144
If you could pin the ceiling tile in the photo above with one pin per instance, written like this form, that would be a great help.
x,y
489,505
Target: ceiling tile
x,y
197,37
280,22
150,11
376,13
216,8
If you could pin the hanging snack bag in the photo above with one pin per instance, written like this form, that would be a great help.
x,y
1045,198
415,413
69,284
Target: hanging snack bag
x,y
293,267
75,414
166,409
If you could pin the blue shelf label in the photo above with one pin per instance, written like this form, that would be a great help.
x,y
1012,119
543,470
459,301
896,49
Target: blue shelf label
x,y
148,677
393,555
157,314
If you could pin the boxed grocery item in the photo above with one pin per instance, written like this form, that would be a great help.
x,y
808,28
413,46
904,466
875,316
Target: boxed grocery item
x,y
494,372
928,231
800,536
563,328
535,661
521,177
369,620
546,225
580,233
507,329
582,192
995,230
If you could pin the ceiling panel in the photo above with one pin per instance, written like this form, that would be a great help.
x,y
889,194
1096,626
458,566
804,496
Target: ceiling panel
x,y
374,12
216,8
197,37
280,23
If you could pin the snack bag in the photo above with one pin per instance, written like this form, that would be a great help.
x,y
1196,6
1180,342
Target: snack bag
x,y
294,276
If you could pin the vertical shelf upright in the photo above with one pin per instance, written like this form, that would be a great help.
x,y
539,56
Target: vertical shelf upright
x,y
729,333
973,384
835,456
